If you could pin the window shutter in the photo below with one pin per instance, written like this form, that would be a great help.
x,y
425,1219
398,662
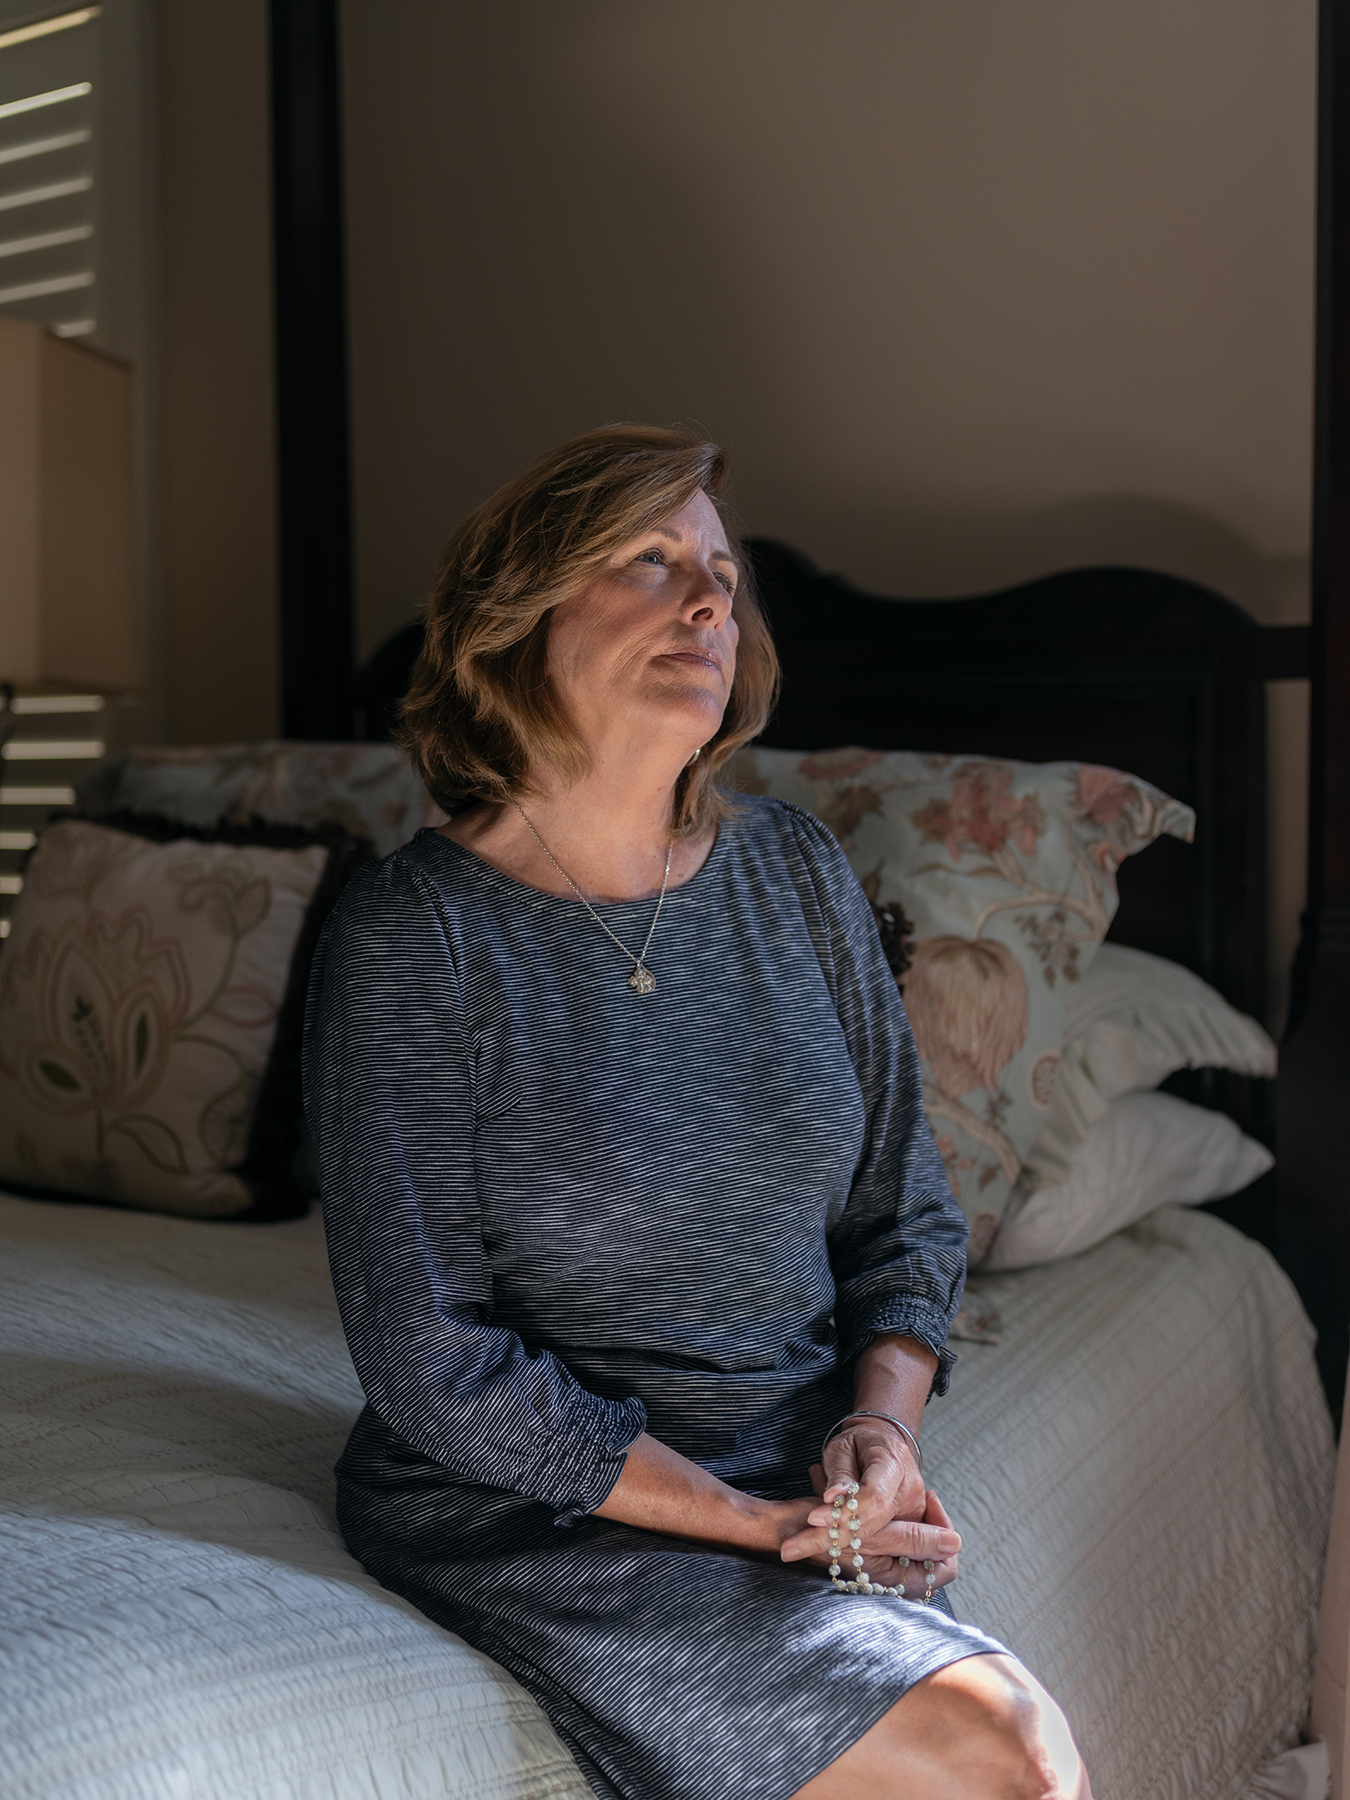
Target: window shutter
x,y
49,107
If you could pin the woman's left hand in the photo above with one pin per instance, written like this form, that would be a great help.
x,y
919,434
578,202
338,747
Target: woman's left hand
x,y
895,1516
879,1458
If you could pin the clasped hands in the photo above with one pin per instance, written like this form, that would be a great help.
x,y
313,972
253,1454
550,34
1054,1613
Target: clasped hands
x,y
897,1516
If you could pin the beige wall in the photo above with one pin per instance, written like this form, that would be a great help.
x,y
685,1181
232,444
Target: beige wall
x,y
219,548
972,291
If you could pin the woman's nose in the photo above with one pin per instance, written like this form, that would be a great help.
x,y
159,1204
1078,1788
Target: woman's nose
x,y
707,602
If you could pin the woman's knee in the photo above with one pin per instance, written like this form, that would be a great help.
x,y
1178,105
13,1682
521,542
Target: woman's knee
x,y
980,1729
1003,1732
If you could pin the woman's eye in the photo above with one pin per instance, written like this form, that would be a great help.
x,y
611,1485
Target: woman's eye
x,y
655,557
728,584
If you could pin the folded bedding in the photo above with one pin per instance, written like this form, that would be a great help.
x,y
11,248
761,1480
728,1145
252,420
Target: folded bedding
x,y
1141,1469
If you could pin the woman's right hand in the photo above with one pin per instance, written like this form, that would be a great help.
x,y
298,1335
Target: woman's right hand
x,y
893,1541
932,1539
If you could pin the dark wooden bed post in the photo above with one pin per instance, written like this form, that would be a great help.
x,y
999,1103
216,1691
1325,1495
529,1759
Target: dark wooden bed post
x,y
313,472
1313,1099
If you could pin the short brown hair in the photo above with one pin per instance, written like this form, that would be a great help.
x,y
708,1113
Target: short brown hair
x,y
481,703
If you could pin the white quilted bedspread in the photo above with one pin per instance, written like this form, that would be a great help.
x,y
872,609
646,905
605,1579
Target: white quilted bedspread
x,y
1142,1472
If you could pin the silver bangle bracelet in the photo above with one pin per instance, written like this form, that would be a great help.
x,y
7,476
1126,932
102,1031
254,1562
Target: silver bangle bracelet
x,y
866,1413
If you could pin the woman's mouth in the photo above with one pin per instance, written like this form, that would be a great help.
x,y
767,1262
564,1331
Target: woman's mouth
x,y
702,659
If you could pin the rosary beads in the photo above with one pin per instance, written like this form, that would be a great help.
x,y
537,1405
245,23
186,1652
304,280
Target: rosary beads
x,y
861,1583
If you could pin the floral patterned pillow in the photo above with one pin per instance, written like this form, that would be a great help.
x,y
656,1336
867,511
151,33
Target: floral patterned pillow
x,y
151,1001
1007,872
367,789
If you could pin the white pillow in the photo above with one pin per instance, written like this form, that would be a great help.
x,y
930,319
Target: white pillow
x,y
1145,1151
1132,1021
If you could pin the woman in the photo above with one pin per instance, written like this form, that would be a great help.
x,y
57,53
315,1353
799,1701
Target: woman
x,y
629,1196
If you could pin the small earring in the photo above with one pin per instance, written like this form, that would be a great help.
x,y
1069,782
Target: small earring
x,y
694,758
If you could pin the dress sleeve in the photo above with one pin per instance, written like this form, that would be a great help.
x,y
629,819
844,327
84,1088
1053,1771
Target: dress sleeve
x,y
898,1249
390,1105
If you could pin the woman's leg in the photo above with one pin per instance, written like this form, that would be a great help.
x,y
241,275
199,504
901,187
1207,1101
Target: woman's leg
x,y
980,1729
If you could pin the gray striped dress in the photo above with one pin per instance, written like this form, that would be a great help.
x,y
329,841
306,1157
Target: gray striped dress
x,y
560,1213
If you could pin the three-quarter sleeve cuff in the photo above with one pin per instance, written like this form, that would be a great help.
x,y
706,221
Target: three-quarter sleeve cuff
x,y
903,1315
590,1454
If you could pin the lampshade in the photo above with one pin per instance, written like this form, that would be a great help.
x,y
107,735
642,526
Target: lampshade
x,y
71,596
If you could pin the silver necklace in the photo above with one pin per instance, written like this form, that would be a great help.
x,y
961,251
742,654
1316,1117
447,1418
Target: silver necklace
x,y
642,981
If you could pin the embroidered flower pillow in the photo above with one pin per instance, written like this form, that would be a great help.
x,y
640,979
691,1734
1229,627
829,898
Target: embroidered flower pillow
x,y
1006,871
151,1000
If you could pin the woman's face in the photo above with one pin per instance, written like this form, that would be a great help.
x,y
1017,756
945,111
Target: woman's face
x,y
651,642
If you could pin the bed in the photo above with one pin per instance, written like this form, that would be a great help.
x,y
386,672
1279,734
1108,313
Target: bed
x,y
181,1618
1141,1463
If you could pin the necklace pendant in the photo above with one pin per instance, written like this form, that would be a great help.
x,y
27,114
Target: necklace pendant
x,y
642,981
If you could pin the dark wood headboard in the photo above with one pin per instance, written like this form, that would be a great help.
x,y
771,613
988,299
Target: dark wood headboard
x,y
1139,671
